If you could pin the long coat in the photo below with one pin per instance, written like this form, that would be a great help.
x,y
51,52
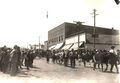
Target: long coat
x,y
113,58
4,61
15,62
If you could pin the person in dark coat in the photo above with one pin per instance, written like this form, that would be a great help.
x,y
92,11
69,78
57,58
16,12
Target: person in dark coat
x,y
118,54
32,56
65,57
4,59
104,59
113,58
97,60
0,58
15,60
53,56
29,59
72,58
48,56
8,61
22,57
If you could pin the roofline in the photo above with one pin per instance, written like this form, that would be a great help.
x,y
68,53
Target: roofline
x,y
85,25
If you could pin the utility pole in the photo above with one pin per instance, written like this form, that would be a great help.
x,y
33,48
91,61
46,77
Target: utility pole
x,y
94,29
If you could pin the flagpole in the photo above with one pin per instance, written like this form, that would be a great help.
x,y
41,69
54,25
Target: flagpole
x,y
47,15
39,43
47,25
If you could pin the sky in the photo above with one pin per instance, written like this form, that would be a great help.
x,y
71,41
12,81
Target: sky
x,y
22,22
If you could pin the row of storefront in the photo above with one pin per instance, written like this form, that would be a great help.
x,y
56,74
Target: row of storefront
x,y
82,45
71,46
83,39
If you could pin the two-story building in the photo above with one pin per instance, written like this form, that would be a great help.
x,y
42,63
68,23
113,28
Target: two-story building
x,y
74,36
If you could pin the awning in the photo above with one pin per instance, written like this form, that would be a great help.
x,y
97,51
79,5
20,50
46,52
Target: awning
x,y
52,47
67,46
58,46
82,45
75,46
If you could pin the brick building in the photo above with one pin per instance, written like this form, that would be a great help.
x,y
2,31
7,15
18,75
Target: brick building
x,y
72,36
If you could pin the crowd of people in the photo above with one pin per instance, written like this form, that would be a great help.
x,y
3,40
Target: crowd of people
x,y
102,58
13,60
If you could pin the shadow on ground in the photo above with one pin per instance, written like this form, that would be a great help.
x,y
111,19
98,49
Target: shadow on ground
x,y
25,73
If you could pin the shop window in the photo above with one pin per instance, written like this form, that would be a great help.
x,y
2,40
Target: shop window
x,y
59,38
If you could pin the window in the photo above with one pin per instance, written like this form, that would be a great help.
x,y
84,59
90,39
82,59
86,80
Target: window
x,y
59,38
95,35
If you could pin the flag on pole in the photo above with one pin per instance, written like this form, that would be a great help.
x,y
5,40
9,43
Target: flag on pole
x,y
47,15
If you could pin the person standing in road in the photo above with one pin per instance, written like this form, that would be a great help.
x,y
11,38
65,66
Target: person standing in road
x,y
97,59
72,58
15,60
4,59
53,56
118,54
65,57
27,60
113,59
48,56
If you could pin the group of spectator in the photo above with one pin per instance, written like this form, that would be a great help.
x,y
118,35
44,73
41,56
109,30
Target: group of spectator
x,y
101,58
12,60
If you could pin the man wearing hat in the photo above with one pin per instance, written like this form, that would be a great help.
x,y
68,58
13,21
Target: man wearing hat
x,y
113,59
4,59
72,58
15,60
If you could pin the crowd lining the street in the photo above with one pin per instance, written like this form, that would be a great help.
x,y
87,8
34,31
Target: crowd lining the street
x,y
12,60
102,58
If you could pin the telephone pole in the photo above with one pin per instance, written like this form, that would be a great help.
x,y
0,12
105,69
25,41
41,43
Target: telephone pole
x,y
94,29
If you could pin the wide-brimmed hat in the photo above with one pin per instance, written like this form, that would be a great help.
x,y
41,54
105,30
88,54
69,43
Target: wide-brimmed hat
x,y
112,47
16,47
4,48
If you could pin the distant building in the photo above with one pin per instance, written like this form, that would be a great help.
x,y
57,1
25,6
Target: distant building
x,y
74,36
56,35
